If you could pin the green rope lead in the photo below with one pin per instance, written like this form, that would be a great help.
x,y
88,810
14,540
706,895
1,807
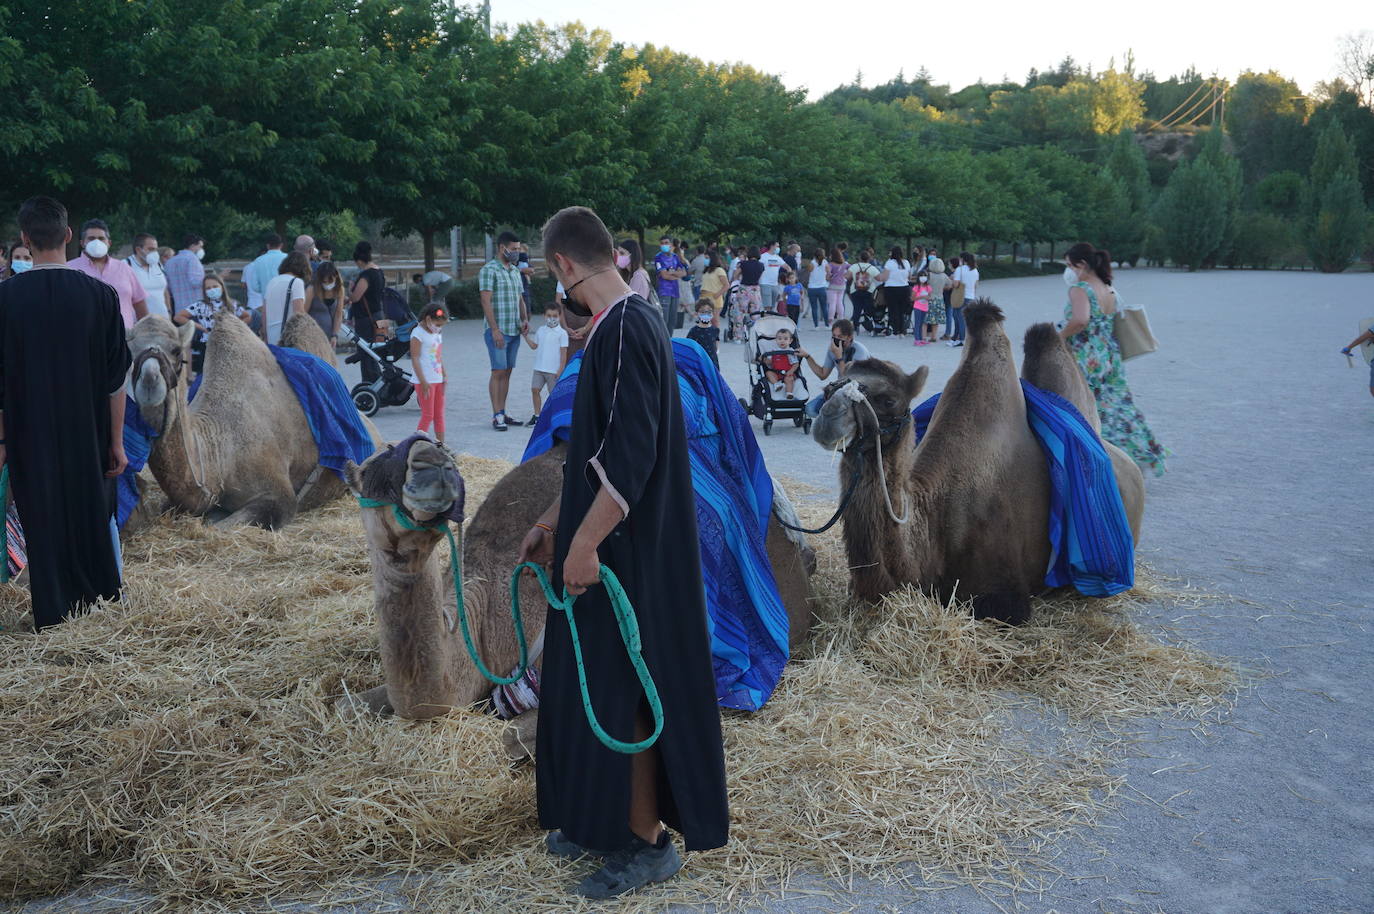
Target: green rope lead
x,y
629,633
620,604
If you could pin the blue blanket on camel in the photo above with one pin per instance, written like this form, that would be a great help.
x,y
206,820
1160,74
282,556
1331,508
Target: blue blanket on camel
x,y
734,493
1091,547
335,424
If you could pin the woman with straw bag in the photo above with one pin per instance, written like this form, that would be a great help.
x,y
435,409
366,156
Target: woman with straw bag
x,y
1089,324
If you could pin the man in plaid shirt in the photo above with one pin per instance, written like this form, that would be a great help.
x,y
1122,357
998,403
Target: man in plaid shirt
x,y
503,304
185,274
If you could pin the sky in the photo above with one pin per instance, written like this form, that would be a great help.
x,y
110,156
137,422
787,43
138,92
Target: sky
x,y
818,46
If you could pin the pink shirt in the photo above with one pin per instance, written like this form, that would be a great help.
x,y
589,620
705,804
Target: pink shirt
x,y
121,277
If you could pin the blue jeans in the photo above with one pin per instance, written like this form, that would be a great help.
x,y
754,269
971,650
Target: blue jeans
x,y
817,298
957,316
501,359
813,406
672,314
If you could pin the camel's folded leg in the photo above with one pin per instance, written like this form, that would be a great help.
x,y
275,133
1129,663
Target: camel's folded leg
x,y
374,700
519,736
269,510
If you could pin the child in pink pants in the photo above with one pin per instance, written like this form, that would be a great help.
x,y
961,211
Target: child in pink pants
x,y
426,355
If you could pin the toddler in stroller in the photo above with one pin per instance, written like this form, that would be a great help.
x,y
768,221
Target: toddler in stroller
x,y
384,382
775,369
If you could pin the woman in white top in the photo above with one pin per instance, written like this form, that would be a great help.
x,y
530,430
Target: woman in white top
x,y
147,265
966,276
427,357
896,290
284,295
816,284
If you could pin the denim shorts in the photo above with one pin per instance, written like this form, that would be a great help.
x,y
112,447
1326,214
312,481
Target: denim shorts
x,y
502,359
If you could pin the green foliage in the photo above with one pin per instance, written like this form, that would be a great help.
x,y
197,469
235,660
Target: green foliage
x,y
1280,194
1192,215
1336,237
1261,240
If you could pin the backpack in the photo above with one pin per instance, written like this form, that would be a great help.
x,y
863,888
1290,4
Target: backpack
x,y
862,278
394,306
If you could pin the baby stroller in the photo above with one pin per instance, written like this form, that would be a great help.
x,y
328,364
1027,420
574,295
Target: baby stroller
x,y
761,403
391,385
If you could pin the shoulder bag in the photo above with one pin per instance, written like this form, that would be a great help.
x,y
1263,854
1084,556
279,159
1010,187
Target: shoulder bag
x,y
1131,328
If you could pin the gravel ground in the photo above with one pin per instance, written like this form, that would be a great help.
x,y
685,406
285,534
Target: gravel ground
x,y
1272,436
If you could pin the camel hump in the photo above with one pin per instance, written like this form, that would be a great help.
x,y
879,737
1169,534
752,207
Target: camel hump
x,y
301,332
981,313
1042,340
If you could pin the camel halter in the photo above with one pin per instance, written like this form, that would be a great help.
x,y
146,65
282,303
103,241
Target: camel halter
x,y
194,461
620,604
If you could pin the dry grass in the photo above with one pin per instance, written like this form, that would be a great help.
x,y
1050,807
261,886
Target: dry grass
x,y
185,742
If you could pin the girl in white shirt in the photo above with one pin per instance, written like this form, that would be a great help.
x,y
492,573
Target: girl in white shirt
x,y
427,357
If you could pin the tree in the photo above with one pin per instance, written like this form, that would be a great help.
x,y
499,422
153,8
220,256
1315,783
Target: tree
x,y
1224,165
1280,194
1337,233
1355,59
1191,213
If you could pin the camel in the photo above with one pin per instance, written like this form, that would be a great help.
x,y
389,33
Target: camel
x,y
243,446
975,493
424,660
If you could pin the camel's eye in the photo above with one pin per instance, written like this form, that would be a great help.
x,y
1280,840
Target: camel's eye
x,y
889,402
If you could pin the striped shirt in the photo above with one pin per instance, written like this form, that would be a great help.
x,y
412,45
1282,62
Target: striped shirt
x,y
186,279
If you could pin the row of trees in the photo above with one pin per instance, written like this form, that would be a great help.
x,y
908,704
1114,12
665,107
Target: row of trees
x,y
217,115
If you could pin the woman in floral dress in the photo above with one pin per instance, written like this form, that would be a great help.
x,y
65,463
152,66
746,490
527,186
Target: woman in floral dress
x,y
1088,331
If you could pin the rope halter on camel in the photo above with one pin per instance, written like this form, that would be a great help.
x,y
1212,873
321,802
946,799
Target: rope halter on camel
x,y
620,604
856,393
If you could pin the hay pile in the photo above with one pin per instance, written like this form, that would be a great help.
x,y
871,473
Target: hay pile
x,y
186,741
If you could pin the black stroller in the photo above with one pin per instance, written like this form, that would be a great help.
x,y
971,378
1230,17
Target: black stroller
x,y
392,385
762,404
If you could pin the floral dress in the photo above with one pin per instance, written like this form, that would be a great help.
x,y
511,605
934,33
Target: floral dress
x,y
1099,357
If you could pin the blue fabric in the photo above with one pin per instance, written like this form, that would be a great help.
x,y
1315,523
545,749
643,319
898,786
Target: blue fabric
x,y
734,494
1091,546
335,424
138,442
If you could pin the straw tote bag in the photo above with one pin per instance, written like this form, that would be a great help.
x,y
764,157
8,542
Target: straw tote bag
x,y
1132,330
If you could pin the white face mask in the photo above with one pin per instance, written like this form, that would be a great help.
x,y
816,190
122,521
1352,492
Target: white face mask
x,y
214,293
1070,276
152,258
550,322
200,255
96,249
329,285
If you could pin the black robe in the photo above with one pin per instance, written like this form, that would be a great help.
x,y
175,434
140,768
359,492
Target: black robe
x,y
641,448
62,354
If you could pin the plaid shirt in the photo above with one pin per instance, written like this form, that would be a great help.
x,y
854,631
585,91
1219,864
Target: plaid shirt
x,y
186,279
503,282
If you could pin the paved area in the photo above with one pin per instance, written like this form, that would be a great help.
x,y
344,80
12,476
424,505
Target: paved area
x,y
1266,500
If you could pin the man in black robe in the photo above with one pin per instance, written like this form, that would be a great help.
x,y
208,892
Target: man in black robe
x,y
62,365
627,501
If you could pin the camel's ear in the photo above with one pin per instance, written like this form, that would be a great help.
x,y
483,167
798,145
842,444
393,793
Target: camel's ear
x,y
353,477
916,382
186,333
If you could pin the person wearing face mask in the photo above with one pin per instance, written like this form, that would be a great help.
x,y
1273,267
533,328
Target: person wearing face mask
x,y
550,345
704,332
214,298
95,260
324,300
146,263
503,306
714,283
186,272
769,289
627,481
669,268
19,259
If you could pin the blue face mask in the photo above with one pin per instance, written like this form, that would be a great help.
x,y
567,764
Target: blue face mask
x,y
21,266
665,248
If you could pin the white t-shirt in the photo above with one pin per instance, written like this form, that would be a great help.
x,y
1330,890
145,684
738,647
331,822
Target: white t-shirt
x,y
550,340
435,278
817,279
154,283
896,273
771,264
430,365
969,277
276,303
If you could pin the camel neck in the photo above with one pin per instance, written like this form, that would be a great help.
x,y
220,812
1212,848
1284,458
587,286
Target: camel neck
x,y
178,458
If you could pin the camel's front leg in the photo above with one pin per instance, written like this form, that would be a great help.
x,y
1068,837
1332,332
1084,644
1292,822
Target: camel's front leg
x,y
375,701
272,509
519,736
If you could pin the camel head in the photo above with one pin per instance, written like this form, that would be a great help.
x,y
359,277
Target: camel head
x,y
846,418
420,479
161,351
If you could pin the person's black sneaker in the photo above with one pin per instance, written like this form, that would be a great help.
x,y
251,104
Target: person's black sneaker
x,y
534,420
510,421
498,422
638,865
559,845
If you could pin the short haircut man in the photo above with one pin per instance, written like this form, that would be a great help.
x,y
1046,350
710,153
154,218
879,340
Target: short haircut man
x,y
62,419
271,241
579,235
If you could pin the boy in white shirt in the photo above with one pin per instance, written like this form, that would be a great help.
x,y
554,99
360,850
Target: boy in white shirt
x,y
550,345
